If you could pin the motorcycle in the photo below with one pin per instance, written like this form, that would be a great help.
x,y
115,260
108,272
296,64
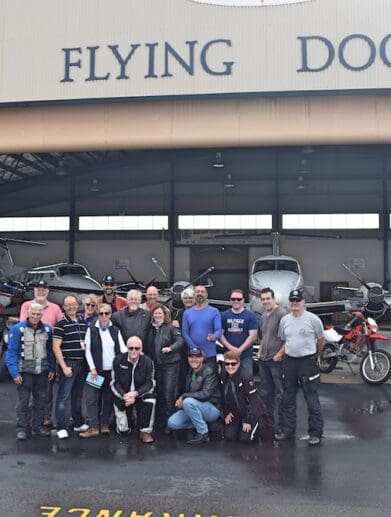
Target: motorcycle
x,y
356,340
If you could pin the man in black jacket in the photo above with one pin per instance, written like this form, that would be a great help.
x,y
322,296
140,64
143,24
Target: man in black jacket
x,y
199,405
132,321
133,385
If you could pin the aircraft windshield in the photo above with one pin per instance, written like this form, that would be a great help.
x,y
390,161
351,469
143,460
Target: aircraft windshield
x,y
72,270
276,265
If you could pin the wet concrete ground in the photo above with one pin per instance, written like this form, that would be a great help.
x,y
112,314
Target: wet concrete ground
x,y
349,475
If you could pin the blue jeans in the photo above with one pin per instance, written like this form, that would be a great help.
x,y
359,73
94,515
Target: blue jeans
x,y
71,387
246,363
194,414
272,388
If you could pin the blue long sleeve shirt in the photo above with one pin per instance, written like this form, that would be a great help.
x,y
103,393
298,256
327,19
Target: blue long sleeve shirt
x,y
197,324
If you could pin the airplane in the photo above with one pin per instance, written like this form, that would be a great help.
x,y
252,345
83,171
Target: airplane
x,y
16,284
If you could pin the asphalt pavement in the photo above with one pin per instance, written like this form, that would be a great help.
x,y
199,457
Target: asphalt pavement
x,y
348,475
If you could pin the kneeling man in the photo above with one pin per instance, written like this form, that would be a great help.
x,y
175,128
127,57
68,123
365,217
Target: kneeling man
x,y
200,404
133,384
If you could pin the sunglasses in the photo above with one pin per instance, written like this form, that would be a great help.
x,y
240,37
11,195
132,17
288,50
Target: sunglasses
x,y
108,284
90,304
236,299
230,364
132,348
104,313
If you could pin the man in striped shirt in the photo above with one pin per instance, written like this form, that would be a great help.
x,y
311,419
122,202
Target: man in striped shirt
x,y
69,350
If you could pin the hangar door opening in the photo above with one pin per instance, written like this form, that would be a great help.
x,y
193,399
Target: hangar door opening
x,y
231,268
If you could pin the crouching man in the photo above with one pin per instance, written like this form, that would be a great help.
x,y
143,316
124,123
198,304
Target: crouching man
x,y
31,364
200,404
133,384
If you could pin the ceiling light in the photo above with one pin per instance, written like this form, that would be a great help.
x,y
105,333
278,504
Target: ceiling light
x,y
94,186
304,169
300,183
61,169
228,182
218,163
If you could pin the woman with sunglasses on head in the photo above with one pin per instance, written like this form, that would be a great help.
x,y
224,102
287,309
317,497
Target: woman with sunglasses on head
x,y
103,342
164,348
89,312
243,408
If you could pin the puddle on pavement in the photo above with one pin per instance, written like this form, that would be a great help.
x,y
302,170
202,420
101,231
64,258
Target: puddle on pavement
x,y
373,407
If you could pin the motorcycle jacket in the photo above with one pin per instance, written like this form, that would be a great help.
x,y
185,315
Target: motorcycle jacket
x,y
203,385
124,372
164,336
135,323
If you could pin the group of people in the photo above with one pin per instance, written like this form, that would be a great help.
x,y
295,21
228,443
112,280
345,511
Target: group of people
x,y
145,368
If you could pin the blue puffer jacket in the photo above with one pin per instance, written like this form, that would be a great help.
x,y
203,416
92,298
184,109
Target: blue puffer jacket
x,y
15,356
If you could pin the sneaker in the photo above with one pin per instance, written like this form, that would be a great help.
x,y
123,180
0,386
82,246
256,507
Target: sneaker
x,y
283,436
82,428
41,432
198,439
104,429
314,440
21,435
62,434
90,433
146,437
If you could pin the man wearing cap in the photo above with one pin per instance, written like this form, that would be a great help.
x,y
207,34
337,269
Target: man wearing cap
x,y
201,325
50,316
109,286
200,404
51,311
302,334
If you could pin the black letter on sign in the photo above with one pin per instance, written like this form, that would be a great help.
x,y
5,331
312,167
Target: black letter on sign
x,y
151,60
383,50
92,76
228,64
122,62
372,55
189,67
304,53
68,63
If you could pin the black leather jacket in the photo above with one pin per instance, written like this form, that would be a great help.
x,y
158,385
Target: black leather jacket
x,y
144,376
132,323
165,335
203,385
249,402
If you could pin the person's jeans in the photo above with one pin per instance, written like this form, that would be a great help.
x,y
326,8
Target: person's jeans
x,y
71,387
246,363
194,414
272,388
99,402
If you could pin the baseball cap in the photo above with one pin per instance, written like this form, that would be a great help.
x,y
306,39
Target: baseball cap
x,y
195,352
42,283
108,279
296,295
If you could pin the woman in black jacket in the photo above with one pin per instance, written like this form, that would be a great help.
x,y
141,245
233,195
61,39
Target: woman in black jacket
x,y
243,408
164,347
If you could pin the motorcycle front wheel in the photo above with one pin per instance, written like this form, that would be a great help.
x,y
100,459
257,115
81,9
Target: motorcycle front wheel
x,y
327,359
381,370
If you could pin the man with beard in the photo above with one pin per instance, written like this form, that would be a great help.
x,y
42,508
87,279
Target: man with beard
x,y
202,325
50,316
151,294
109,286
132,321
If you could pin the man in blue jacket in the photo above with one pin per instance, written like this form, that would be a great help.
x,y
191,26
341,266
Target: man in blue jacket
x,y
31,364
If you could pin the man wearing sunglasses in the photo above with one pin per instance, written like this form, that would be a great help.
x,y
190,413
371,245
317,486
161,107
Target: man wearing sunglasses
x,y
240,329
302,334
133,383
109,286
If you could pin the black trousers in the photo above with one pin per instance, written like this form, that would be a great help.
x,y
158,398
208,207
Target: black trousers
x,y
272,388
145,412
99,402
166,376
233,432
35,386
301,372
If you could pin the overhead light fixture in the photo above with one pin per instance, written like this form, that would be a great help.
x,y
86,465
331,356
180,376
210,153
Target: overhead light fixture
x,y
94,186
61,169
228,182
300,183
218,163
304,169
